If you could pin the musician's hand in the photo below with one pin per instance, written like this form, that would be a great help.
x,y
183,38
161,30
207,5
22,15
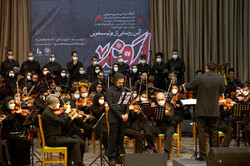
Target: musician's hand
x,y
73,115
88,117
19,111
67,110
172,101
167,113
131,107
177,105
156,72
125,118
84,104
240,98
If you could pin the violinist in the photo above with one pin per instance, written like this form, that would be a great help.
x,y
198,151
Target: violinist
x,y
244,95
53,126
26,81
62,79
98,108
167,126
176,98
141,84
40,101
99,89
101,80
84,92
232,82
15,133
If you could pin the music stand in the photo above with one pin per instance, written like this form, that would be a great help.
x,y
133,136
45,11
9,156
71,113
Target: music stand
x,y
30,121
159,113
240,109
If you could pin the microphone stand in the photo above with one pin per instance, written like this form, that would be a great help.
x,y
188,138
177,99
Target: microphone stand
x,y
101,156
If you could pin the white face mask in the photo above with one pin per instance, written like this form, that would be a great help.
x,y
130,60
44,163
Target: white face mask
x,y
161,103
158,60
11,75
134,95
10,57
101,102
28,77
116,69
75,58
30,58
12,106
52,59
95,63
45,72
120,60
57,106
245,93
97,71
143,61
84,95
134,70
174,91
81,71
175,56
68,106
63,74
143,99
76,96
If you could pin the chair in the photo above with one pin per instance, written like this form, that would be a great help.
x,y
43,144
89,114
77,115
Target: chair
x,y
127,140
176,136
33,130
50,150
94,144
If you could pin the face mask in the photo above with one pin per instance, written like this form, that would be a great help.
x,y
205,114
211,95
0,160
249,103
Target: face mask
x,y
95,63
57,106
161,103
63,74
11,75
84,95
45,72
245,93
12,106
30,58
68,106
43,98
97,71
120,60
81,71
158,60
143,99
28,77
134,95
174,91
101,102
17,99
52,59
143,61
175,56
75,58
76,96
116,69
134,70
10,57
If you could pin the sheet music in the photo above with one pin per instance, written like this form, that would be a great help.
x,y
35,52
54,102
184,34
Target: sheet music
x,y
121,98
189,102
127,97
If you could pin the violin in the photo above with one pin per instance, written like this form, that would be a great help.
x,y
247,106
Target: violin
x,y
175,99
60,111
25,112
226,102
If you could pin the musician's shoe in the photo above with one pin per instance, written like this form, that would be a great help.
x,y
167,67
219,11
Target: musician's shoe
x,y
201,158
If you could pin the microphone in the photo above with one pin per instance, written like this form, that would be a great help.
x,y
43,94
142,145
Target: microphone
x,y
128,89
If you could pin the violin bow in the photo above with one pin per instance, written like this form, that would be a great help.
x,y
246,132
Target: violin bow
x,y
67,84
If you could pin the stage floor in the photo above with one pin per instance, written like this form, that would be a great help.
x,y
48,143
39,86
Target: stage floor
x,y
186,150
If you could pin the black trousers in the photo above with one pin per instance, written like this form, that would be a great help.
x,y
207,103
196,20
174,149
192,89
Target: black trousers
x,y
138,139
212,124
74,144
19,149
115,141
228,131
168,130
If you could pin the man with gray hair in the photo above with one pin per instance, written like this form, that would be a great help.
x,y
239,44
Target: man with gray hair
x,y
53,125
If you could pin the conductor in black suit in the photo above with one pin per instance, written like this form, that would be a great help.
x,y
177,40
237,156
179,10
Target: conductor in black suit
x,y
117,116
208,86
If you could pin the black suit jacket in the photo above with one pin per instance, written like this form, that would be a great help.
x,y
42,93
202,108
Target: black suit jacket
x,y
115,111
208,86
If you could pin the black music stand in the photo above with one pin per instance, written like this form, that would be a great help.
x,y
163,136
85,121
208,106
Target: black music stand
x,y
240,109
30,121
159,113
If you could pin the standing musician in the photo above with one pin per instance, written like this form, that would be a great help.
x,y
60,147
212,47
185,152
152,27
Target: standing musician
x,y
134,74
53,126
166,126
117,115
15,133
208,86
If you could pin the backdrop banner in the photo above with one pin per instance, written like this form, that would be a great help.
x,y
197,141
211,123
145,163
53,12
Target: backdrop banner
x,y
101,28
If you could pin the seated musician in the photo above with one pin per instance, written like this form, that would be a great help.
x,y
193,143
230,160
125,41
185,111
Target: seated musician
x,y
141,84
244,95
10,82
176,98
151,90
101,80
81,75
26,81
53,126
99,89
97,70
15,133
84,92
166,126
75,83
98,108
62,79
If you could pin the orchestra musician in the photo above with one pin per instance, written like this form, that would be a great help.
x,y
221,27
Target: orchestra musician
x,y
208,86
91,69
30,65
53,126
15,133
